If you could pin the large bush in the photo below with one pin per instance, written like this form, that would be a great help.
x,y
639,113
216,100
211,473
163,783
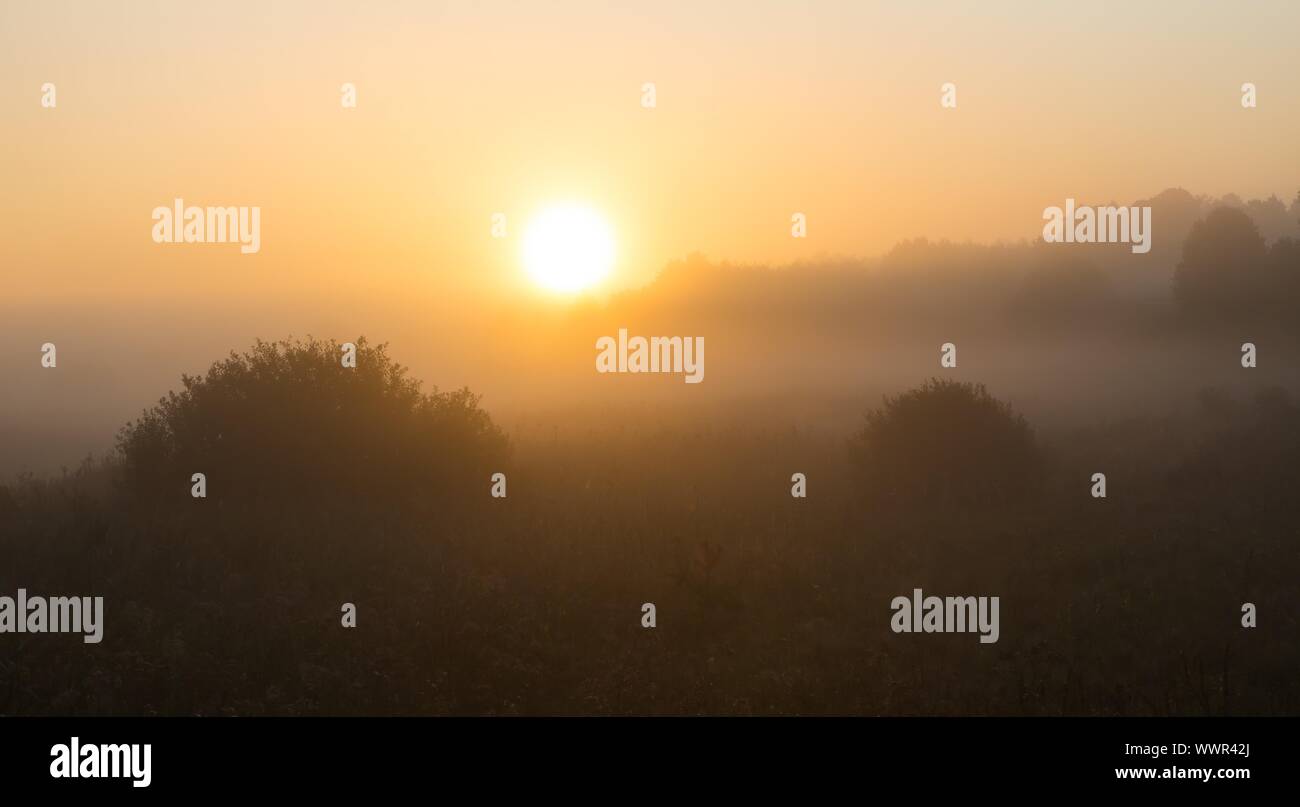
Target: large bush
x,y
946,443
286,420
1222,270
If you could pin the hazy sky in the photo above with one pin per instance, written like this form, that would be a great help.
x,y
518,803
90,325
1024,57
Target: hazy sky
x,y
466,109
377,220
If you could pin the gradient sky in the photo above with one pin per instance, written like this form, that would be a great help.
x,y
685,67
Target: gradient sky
x,y
764,109
376,220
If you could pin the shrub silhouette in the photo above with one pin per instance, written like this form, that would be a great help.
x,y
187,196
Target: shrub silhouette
x,y
946,443
1222,270
1283,270
286,420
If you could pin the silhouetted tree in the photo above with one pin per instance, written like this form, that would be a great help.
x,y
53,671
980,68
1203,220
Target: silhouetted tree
x,y
1284,280
1221,273
286,420
1272,218
1174,212
946,443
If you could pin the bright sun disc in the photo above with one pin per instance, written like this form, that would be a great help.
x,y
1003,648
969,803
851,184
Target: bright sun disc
x,y
568,248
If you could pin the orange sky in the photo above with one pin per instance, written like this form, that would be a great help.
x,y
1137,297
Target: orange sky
x,y
764,109
377,220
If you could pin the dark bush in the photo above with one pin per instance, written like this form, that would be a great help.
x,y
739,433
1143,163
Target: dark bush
x,y
946,443
287,421
1221,275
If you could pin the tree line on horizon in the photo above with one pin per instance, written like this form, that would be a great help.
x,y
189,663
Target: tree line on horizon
x,y
1214,261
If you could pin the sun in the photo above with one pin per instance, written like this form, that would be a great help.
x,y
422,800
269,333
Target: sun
x,y
568,248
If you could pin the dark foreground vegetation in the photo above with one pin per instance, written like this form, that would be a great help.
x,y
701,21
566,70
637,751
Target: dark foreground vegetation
x,y
326,488
328,485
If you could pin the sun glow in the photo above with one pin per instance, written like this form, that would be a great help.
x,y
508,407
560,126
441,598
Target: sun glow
x,y
568,248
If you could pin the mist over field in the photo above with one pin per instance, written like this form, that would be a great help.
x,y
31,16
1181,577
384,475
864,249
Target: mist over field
x,y
370,488
1073,334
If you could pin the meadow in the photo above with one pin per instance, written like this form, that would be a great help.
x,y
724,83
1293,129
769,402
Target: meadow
x,y
328,485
